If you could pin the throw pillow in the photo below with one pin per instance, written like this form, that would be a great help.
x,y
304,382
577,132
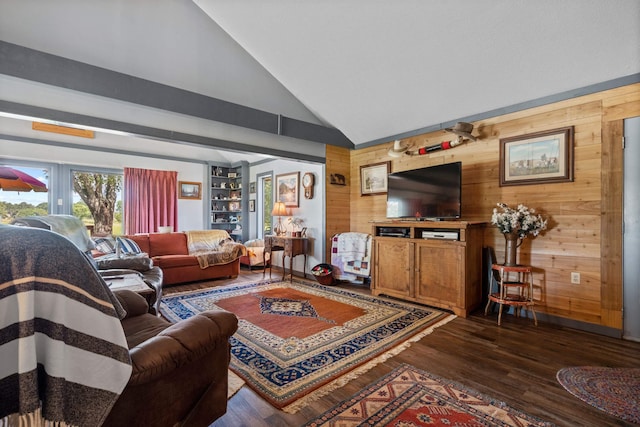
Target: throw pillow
x,y
128,246
105,245
254,243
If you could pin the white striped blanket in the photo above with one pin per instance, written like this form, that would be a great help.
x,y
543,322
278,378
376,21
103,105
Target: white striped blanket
x,y
63,354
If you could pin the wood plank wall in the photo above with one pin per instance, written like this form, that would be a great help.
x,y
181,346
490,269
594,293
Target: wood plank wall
x,y
585,221
337,202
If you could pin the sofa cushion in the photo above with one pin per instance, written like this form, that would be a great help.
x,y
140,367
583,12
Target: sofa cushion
x,y
168,244
143,242
172,261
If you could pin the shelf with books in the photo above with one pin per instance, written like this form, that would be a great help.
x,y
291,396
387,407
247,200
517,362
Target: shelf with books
x,y
227,201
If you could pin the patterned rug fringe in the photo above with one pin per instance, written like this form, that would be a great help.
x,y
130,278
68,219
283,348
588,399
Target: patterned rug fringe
x,y
346,378
235,383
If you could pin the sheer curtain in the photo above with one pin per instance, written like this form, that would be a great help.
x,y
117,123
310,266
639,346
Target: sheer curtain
x,y
151,200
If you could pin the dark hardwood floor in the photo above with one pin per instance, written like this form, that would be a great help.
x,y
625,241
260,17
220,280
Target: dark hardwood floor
x,y
516,363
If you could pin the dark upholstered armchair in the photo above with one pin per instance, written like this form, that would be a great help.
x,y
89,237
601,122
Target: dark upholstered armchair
x,y
99,353
179,370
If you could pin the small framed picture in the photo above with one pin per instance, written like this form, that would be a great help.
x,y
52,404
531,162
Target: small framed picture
x,y
252,187
374,178
541,157
337,179
288,189
252,205
189,190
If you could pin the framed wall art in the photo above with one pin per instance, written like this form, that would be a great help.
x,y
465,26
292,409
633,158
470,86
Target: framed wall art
x,y
252,187
288,189
374,178
536,158
337,179
252,205
189,190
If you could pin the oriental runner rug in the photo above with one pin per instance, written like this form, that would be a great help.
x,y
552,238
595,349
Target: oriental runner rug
x,y
298,341
410,397
615,391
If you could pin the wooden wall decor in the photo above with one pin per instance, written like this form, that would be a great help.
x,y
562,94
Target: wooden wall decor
x,y
65,130
337,179
584,232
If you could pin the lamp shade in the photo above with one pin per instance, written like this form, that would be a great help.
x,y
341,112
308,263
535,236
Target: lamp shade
x,y
279,209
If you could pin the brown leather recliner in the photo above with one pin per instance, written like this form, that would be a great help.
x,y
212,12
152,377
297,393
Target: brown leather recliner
x,y
179,370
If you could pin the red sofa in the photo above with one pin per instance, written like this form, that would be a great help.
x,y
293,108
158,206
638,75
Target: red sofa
x,y
169,251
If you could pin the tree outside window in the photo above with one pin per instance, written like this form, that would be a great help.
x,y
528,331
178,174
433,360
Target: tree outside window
x,y
267,204
100,204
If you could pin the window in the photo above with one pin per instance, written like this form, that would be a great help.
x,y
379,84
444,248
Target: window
x,y
97,200
16,203
264,204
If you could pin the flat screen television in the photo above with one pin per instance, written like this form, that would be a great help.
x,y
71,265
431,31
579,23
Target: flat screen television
x,y
432,193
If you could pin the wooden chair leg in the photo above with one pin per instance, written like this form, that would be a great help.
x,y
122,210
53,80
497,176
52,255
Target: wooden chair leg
x,y
535,319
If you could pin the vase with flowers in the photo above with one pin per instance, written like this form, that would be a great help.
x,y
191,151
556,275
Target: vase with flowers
x,y
296,226
516,225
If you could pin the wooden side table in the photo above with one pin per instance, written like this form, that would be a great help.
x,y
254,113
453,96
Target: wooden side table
x,y
515,288
134,283
290,247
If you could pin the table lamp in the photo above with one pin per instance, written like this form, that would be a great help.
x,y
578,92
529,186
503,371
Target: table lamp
x,y
279,210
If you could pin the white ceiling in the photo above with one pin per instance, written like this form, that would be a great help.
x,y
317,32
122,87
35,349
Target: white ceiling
x,y
378,68
374,69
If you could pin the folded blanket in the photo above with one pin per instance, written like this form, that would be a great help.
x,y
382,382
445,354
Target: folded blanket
x,y
64,356
350,254
213,247
352,245
226,252
205,240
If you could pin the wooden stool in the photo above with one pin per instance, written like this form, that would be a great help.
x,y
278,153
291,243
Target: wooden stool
x,y
516,292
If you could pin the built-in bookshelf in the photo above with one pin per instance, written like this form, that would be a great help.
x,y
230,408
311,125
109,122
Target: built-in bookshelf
x,y
228,207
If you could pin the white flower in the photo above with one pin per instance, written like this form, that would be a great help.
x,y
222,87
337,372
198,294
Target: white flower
x,y
522,220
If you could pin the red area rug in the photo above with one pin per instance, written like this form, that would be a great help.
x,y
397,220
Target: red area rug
x,y
615,391
410,397
299,341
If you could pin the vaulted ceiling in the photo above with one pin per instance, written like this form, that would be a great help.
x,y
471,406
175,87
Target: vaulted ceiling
x,y
375,70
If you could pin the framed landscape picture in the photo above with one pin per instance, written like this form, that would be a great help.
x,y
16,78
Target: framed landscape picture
x,y
541,157
189,190
288,189
374,178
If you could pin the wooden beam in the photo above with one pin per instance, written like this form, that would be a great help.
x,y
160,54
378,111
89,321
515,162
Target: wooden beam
x,y
46,127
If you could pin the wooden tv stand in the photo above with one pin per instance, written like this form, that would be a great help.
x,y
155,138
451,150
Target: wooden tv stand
x,y
436,263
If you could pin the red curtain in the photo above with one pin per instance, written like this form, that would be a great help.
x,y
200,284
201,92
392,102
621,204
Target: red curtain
x,y
150,200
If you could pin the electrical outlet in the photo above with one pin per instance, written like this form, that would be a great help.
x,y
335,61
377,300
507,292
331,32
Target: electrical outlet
x,y
575,278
